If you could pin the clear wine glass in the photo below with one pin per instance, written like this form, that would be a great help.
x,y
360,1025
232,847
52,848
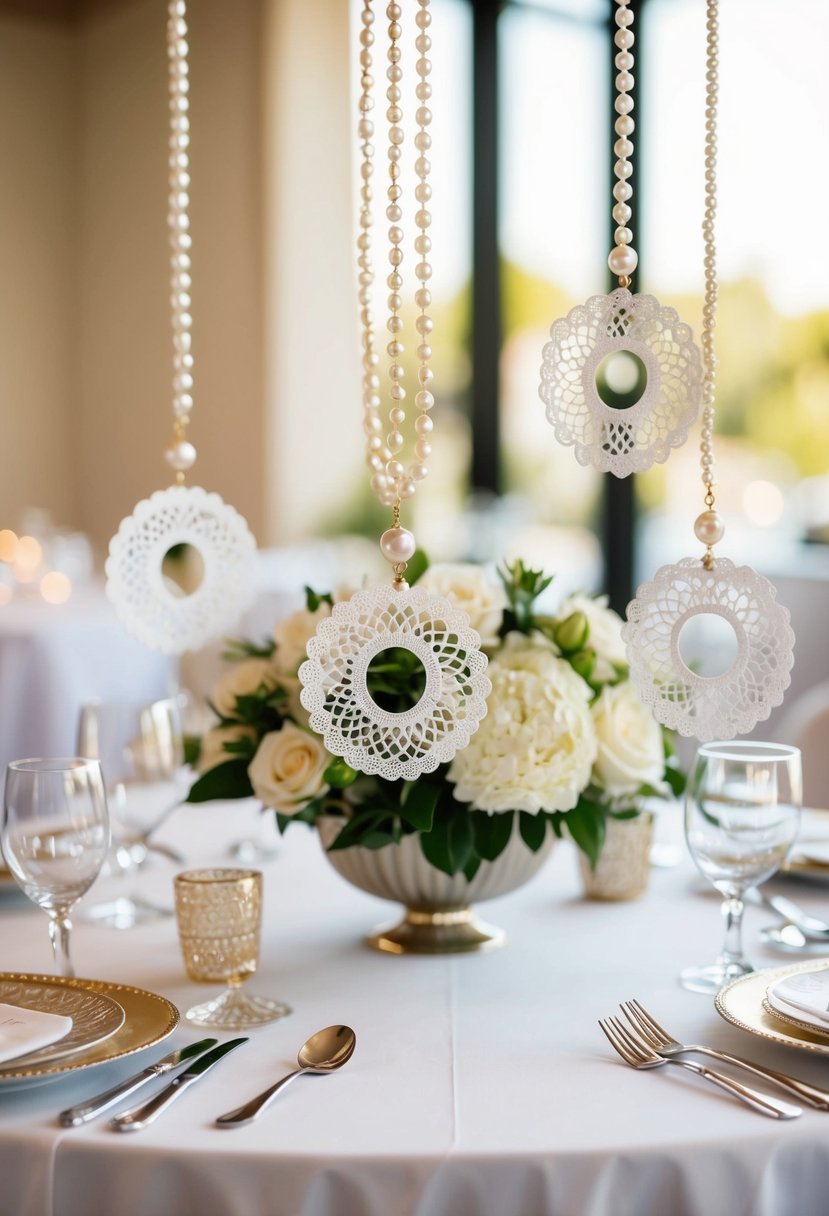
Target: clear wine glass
x,y
742,810
141,750
55,837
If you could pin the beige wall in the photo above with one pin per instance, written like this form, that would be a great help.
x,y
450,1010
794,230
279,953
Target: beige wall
x,y
314,436
38,240
125,415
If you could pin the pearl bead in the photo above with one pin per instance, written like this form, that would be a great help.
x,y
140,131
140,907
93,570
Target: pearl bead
x,y
419,472
395,441
379,482
622,191
624,125
394,469
709,527
623,236
397,545
623,260
424,425
621,213
423,449
406,488
181,455
397,417
424,400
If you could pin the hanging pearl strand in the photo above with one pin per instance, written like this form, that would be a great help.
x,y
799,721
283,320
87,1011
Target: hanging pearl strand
x,y
181,454
709,527
623,257
377,454
391,480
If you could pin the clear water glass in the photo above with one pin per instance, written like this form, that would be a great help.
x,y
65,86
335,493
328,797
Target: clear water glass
x,y
742,811
141,749
55,837
219,914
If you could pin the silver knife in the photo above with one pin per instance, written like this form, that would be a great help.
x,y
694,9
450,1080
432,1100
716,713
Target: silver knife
x,y
76,1116
140,1116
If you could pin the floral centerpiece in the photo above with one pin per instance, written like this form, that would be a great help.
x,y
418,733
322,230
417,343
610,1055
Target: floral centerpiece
x,y
566,744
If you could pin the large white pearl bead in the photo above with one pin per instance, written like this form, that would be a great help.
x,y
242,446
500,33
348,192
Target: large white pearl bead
x,y
180,456
623,259
709,527
397,545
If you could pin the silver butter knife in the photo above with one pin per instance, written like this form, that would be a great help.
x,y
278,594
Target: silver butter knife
x,y
76,1116
141,1116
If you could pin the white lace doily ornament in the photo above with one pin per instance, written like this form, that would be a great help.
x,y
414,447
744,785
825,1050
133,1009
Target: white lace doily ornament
x,y
709,707
621,441
732,703
335,689
162,617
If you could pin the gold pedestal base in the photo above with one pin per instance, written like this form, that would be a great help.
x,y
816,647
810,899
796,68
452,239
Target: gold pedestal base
x,y
449,931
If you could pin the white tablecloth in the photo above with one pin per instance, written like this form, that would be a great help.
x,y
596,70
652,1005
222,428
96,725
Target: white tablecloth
x,y
481,1085
53,658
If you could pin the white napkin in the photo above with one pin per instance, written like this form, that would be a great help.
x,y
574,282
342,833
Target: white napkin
x,y
804,993
25,1030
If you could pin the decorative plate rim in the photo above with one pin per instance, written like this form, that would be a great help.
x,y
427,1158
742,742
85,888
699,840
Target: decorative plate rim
x,y
768,976
77,1062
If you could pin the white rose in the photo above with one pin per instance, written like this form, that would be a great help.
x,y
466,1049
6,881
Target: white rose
x,y
242,680
534,750
468,587
630,742
212,745
286,772
292,634
605,632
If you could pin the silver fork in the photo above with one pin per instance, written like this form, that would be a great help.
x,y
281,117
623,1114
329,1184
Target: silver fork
x,y
657,1038
635,1052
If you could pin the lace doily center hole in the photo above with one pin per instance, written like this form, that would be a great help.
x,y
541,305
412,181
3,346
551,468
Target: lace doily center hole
x,y
396,680
182,570
621,379
708,645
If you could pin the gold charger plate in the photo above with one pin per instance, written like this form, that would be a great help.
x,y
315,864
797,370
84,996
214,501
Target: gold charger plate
x,y
94,1018
743,1004
150,1019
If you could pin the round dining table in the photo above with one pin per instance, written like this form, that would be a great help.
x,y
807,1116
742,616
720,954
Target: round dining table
x,y
481,1085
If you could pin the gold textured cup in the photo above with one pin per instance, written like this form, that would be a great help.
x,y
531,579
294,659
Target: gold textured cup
x,y
219,914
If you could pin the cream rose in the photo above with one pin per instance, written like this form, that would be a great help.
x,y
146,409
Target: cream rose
x,y
286,772
630,742
212,746
605,632
292,634
534,750
468,587
242,680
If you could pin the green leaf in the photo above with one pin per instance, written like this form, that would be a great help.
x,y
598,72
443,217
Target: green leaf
x,y
631,812
450,844
417,804
339,775
491,833
676,779
192,749
313,599
237,649
228,780
245,748
416,567
583,664
471,868
533,829
586,824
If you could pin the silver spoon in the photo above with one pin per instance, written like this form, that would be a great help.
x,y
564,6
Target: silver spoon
x,y
809,926
789,937
325,1051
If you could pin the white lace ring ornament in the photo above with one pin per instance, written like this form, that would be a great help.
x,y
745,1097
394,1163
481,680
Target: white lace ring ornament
x,y
341,708
621,441
159,615
709,707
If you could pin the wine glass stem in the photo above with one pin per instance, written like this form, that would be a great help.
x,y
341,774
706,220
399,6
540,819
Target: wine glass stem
x,y
732,911
59,929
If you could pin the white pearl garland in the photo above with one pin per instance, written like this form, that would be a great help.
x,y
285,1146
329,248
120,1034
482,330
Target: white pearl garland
x,y
623,258
706,529
180,455
392,480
